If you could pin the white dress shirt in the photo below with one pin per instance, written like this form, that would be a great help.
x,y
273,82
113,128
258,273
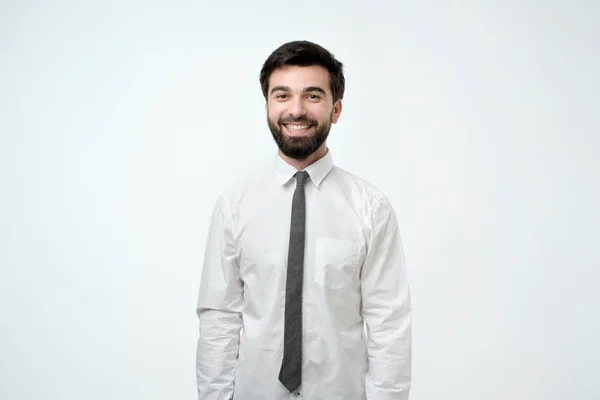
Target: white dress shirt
x,y
356,301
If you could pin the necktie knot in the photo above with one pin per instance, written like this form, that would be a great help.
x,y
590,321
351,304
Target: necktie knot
x,y
301,178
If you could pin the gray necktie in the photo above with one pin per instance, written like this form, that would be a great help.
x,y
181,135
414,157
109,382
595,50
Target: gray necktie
x,y
291,366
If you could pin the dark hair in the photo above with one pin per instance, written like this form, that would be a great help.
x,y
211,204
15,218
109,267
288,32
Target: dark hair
x,y
304,53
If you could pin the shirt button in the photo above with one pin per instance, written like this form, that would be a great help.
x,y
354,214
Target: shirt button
x,y
297,393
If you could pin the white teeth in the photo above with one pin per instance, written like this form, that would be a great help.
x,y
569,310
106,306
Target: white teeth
x,y
297,127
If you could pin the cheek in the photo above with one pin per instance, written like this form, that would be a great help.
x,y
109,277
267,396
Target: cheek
x,y
273,113
272,117
324,114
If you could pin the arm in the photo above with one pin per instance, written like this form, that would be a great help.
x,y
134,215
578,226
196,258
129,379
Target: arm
x,y
219,308
387,309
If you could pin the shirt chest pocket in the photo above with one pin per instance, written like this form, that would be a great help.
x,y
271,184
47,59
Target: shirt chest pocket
x,y
336,262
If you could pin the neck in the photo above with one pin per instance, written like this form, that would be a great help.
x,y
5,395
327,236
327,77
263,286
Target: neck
x,y
302,164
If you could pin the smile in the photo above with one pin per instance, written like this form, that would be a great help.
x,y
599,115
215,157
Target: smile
x,y
297,129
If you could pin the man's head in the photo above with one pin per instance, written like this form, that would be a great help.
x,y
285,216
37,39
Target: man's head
x,y
303,85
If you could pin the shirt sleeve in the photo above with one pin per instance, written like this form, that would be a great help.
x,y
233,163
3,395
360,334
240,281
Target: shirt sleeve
x,y
387,309
219,309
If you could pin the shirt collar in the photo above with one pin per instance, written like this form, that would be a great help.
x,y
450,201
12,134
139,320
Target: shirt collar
x,y
317,170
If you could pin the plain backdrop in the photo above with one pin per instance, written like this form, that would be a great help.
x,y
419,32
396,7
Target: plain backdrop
x,y
122,121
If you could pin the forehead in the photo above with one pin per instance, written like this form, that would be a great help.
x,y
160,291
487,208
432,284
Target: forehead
x,y
298,78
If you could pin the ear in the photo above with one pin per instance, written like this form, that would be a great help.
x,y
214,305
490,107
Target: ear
x,y
337,110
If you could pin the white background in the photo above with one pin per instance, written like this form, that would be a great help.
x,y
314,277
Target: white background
x,y
121,122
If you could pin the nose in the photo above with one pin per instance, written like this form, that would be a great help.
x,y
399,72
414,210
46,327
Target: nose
x,y
297,108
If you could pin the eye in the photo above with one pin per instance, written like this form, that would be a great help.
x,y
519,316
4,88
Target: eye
x,y
313,96
281,96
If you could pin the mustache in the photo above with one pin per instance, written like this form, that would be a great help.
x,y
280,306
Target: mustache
x,y
302,120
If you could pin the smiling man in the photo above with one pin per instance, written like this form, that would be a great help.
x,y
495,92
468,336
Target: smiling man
x,y
303,291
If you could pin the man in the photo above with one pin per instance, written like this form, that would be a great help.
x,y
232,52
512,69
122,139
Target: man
x,y
303,291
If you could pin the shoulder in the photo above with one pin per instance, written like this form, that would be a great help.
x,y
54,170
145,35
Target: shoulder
x,y
248,183
369,201
359,187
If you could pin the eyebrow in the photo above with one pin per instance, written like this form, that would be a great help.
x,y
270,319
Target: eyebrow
x,y
306,90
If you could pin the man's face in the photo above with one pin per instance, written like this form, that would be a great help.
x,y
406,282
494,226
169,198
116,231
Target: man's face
x,y
300,109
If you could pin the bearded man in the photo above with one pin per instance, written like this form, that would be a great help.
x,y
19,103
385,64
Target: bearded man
x,y
303,291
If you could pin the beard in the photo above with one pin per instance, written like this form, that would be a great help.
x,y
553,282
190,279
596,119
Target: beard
x,y
300,147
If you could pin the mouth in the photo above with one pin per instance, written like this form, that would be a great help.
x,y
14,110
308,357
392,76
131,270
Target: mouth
x,y
297,129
